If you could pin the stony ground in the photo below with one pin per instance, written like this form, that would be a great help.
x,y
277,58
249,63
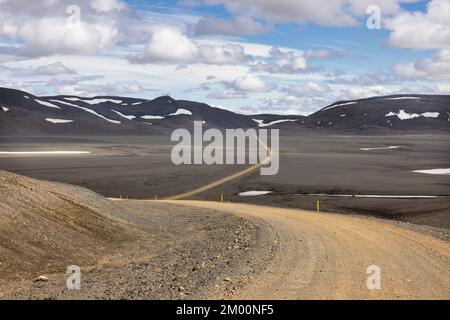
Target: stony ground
x,y
182,255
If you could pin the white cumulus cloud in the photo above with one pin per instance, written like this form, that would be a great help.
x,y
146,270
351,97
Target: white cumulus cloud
x,y
251,83
435,68
282,61
170,44
418,30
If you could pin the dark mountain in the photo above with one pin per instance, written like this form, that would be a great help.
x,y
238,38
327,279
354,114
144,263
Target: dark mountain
x,y
23,113
397,112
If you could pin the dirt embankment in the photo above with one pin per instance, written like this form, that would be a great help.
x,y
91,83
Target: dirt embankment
x,y
46,226
126,250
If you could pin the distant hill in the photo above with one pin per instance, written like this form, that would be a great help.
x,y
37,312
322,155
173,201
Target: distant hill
x,y
24,113
397,112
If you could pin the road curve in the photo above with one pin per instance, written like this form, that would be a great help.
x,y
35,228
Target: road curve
x,y
226,179
326,256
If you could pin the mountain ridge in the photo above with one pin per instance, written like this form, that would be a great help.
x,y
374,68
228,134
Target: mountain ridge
x,y
24,113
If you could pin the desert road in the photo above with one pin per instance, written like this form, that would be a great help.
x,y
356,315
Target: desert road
x,y
226,179
216,183
326,256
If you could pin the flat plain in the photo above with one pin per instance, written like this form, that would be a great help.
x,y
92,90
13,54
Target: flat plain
x,y
313,166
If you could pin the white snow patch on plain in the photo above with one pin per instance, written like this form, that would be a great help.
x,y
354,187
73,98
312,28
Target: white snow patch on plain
x,y
26,97
430,114
94,101
340,104
129,117
262,124
386,196
343,115
42,152
380,148
402,115
136,103
47,104
5,109
88,110
445,171
181,111
52,120
253,193
150,117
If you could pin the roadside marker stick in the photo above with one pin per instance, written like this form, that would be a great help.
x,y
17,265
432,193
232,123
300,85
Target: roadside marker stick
x,y
318,206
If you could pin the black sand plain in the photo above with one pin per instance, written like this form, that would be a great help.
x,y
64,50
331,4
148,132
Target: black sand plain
x,y
310,163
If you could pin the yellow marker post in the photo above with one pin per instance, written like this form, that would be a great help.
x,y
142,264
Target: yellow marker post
x,y
318,206
221,197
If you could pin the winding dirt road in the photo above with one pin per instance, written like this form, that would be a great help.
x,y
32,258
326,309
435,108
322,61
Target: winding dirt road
x,y
326,256
229,178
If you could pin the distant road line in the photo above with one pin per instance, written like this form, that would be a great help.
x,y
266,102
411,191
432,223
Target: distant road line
x,y
226,179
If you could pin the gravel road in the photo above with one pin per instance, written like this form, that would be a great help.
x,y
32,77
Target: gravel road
x,y
326,256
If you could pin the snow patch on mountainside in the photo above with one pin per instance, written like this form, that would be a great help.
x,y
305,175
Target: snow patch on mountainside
x,y
259,122
430,114
99,115
47,104
88,110
150,117
340,104
262,124
5,109
181,112
404,98
402,115
58,120
63,102
94,101
129,117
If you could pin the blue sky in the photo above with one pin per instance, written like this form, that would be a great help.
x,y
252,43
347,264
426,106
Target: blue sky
x,y
249,56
